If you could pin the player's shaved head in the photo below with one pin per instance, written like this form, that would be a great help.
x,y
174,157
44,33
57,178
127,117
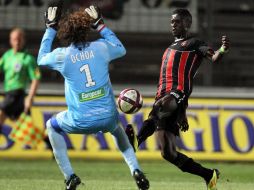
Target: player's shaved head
x,y
185,15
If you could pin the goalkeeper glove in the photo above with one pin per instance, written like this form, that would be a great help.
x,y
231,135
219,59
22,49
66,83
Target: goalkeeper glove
x,y
53,14
95,14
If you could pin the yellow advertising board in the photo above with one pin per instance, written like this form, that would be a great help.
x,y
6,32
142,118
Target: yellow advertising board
x,y
220,129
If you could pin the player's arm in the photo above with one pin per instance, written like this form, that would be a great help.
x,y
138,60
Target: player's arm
x,y
34,75
32,91
114,45
46,56
215,56
51,59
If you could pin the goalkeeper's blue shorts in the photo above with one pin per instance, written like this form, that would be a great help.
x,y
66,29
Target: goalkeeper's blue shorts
x,y
63,122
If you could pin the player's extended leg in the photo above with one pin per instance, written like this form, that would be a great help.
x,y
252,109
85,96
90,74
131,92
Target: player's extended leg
x,y
130,158
167,143
60,152
161,108
147,129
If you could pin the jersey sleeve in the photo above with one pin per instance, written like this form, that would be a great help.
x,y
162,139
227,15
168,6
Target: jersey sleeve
x,y
2,61
114,45
203,48
52,59
33,69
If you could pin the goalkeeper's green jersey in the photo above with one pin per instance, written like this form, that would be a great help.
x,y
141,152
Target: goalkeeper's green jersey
x,y
18,68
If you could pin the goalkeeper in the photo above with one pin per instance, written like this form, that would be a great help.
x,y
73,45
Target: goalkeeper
x,y
89,95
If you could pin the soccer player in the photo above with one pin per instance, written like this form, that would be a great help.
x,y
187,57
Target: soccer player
x,y
180,63
88,91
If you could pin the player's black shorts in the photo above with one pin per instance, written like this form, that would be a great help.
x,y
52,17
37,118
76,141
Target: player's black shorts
x,y
13,103
169,124
173,122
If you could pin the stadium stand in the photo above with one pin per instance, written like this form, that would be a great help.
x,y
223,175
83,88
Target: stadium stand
x,y
141,64
235,19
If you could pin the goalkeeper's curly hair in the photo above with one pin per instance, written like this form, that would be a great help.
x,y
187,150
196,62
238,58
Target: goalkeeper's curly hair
x,y
74,27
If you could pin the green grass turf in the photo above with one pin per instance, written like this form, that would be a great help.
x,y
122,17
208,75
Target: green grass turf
x,y
114,175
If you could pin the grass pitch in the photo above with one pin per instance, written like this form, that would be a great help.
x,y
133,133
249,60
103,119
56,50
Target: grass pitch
x,y
114,175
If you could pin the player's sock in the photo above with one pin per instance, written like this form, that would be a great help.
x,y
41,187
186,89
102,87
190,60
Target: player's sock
x,y
195,168
60,151
125,147
130,159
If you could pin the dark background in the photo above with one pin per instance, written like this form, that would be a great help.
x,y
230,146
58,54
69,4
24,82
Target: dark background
x,y
234,18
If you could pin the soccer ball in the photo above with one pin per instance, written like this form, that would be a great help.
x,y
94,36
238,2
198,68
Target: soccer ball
x,y
130,101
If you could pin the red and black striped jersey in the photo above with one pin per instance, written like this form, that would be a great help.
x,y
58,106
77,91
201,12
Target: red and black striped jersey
x,y
180,63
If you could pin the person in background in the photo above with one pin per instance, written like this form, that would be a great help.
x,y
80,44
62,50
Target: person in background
x,y
19,68
88,91
180,63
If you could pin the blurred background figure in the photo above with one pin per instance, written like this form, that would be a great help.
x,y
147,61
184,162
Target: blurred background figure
x,y
138,24
19,68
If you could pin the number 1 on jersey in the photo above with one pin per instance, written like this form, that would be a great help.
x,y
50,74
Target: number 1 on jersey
x,y
89,79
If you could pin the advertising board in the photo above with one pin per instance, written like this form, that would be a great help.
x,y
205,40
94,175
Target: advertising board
x,y
220,129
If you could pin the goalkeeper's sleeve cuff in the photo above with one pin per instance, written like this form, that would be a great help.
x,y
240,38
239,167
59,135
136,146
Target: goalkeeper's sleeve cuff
x,y
100,27
51,32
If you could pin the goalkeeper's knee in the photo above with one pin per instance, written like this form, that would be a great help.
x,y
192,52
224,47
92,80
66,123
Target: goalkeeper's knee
x,y
52,124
